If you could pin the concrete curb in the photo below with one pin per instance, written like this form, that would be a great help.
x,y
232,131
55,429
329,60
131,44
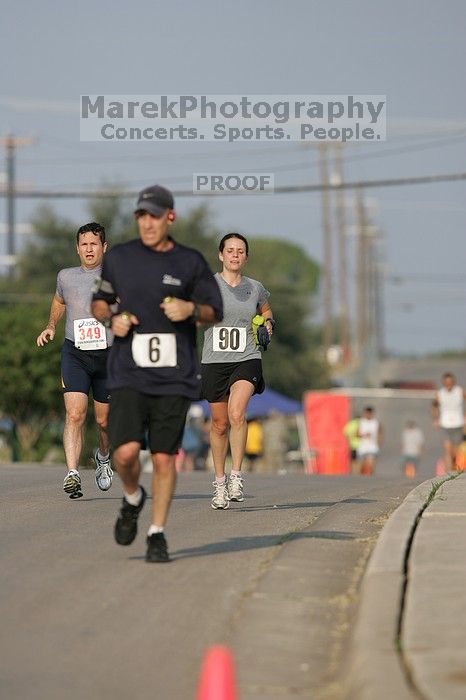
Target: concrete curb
x,y
375,669
434,634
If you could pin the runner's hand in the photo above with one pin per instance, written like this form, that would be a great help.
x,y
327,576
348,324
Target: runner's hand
x,y
177,309
46,335
121,323
263,336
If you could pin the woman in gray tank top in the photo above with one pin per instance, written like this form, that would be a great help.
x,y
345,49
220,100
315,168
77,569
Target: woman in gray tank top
x,y
231,365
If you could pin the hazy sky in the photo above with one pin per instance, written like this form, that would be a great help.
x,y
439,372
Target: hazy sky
x,y
52,52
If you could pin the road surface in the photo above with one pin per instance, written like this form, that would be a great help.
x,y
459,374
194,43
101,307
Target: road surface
x,y
275,578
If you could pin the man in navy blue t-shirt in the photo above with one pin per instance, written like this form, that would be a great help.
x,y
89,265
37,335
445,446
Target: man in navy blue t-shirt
x,y
163,289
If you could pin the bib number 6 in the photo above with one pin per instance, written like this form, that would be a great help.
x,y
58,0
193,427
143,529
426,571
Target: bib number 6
x,y
154,349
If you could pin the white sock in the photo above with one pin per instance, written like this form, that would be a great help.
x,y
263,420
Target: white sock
x,y
101,456
235,472
154,530
133,499
220,481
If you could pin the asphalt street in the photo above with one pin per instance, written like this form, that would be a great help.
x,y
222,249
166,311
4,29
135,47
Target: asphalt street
x,y
275,578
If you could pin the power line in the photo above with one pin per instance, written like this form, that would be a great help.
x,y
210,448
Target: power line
x,y
380,153
283,189
426,277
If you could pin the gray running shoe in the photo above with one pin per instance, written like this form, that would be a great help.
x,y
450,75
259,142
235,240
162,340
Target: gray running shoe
x,y
72,484
235,488
220,500
103,472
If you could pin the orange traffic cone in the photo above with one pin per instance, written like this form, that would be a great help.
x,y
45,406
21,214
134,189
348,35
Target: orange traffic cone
x,y
410,470
217,680
440,467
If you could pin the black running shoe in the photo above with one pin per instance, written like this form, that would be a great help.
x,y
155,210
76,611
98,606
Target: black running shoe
x,y
126,526
157,548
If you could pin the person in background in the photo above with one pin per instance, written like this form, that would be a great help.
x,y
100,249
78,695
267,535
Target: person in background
x,y
275,432
254,442
232,366
83,358
193,438
370,435
448,415
412,442
350,431
200,458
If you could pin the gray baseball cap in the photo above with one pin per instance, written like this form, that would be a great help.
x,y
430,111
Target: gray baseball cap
x,y
156,200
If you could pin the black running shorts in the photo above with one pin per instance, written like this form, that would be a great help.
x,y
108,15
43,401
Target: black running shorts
x,y
132,414
82,370
218,377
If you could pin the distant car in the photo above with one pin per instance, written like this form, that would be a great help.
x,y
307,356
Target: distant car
x,y
336,384
408,384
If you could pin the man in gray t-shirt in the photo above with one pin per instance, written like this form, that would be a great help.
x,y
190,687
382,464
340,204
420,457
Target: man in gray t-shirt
x,y
74,285
83,357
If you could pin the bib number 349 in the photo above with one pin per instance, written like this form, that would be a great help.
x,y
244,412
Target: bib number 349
x,y
89,334
154,349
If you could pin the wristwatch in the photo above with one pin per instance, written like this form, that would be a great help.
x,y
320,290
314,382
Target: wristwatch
x,y
196,313
107,322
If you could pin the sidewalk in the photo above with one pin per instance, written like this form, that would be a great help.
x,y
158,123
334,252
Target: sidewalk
x,y
410,634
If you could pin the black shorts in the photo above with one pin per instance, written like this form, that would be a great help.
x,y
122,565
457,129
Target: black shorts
x,y
82,370
133,413
218,377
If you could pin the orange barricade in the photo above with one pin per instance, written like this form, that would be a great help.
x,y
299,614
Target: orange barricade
x,y
326,415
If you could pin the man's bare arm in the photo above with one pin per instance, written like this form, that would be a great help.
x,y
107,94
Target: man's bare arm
x,y
57,309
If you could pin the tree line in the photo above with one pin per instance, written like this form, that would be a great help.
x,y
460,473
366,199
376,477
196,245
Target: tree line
x,y
30,386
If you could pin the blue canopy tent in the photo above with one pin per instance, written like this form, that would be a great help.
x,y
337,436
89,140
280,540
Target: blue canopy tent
x,y
261,405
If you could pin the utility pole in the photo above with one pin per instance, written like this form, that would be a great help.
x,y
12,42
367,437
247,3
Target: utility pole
x,y
342,255
327,247
362,286
378,285
371,283
369,286
11,143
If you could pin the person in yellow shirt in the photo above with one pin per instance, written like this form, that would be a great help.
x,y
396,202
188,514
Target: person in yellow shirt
x,y
254,442
351,433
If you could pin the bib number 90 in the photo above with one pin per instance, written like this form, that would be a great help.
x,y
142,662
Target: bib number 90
x,y
229,339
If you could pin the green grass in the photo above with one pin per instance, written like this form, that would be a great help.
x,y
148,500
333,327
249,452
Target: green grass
x,y
436,485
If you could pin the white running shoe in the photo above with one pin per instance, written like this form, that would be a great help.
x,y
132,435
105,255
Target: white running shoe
x,y
220,500
235,488
72,484
103,472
